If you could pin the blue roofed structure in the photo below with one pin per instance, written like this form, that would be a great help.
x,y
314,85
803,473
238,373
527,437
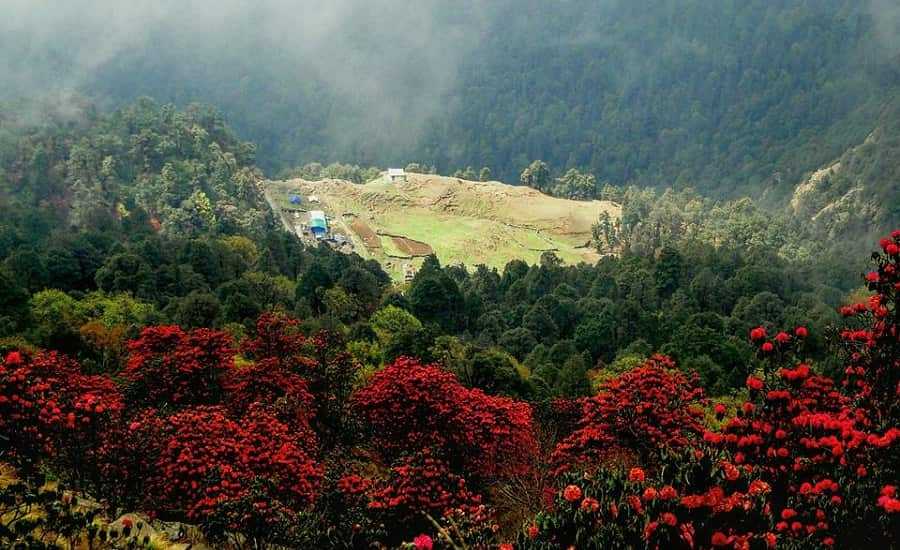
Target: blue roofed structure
x,y
318,225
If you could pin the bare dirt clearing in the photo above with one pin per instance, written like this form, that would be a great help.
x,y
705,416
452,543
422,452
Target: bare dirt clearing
x,y
411,247
370,239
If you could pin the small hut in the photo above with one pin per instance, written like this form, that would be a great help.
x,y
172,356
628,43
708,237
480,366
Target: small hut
x,y
396,174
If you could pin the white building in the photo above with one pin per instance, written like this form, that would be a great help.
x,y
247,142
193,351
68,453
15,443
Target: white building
x,y
396,174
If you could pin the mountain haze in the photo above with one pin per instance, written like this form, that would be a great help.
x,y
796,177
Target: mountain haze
x,y
729,97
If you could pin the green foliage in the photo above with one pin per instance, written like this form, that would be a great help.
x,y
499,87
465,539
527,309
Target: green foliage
x,y
399,332
536,175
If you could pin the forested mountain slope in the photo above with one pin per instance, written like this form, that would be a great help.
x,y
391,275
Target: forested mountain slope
x,y
184,170
728,97
858,191
109,221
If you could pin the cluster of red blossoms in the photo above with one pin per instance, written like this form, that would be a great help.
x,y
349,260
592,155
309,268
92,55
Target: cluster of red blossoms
x,y
224,428
236,444
169,365
804,463
649,408
48,406
438,436
206,459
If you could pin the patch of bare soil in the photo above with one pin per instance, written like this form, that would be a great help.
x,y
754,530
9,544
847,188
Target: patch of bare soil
x,y
369,238
412,247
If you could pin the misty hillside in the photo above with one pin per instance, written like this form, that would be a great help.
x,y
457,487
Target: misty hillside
x,y
727,97
432,275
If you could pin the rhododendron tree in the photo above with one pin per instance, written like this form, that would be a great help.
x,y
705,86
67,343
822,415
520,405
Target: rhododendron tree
x,y
641,412
419,484
321,360
804,463
49,408
442,443
268,382
871,341
409,406
168,366
207,459
277,336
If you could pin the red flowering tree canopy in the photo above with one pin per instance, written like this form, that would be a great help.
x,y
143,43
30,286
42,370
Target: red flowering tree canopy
x,y
47,405
872,341
641,411
169,365
409,406
206,460
276,336
421,483
803,464
268,382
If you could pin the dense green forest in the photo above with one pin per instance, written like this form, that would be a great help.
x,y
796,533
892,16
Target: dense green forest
x,y
151,214
727,97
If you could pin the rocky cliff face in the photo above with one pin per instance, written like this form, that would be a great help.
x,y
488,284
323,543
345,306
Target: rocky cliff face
x,y
857,192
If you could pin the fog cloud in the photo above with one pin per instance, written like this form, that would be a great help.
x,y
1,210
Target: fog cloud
x,y
886,16
386,64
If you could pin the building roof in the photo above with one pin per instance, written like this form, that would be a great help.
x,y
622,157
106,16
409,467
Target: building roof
x,y
396,172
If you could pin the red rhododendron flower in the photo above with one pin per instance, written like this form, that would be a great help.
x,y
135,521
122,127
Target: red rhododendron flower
x,y
668,493
423,542
759,487
801,332
754,383
637,475
589,505
572,493
757,334
669,519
